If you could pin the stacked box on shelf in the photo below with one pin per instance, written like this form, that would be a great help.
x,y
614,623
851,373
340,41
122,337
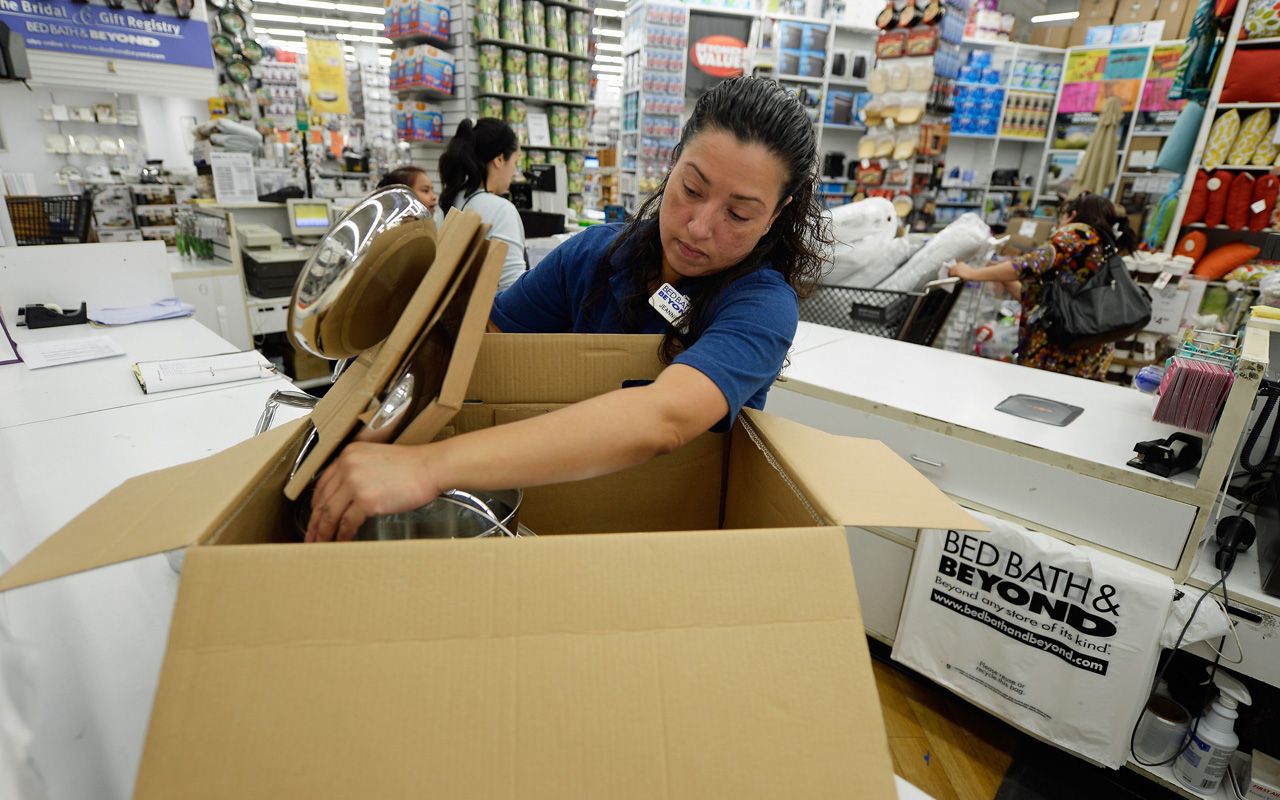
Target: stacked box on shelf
x,y
422,66
417,121
413,18
665,42
113,215
802,49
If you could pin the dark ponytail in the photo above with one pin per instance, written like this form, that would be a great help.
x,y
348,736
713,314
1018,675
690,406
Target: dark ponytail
x,y
401,176
1100,214
464,165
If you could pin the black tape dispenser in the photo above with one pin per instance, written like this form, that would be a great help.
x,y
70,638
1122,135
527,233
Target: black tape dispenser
x,y
52,316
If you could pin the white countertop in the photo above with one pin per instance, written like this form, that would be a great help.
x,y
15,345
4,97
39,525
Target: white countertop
x,y
28,395
963,390
97,639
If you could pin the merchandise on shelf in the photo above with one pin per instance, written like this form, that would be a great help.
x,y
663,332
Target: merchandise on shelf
x,y
422,67
558,121
511,19
537,156
516,114
1026,116
489,62
579,82
419,122
487,25
560,91
515,65
579,29
579,119
405,18
1035,75
557,28
539,71
535,23
490,107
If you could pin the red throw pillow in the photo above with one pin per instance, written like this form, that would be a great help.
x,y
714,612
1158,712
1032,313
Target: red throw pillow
x,y
1219,186
1264,202
1251,78
1237,214
1192,245
1199,199
1226,258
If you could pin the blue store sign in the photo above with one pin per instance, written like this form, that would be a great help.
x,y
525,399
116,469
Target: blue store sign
x,y
65,26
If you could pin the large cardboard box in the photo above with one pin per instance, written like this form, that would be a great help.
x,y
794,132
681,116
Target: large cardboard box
x,y
1130,11
1051,35
1026,233
1092,13
688,628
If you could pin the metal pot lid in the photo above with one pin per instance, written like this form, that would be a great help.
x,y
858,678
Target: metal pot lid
x,y
232,21
251,50
358,280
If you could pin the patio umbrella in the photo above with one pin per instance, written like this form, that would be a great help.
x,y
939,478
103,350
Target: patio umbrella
x,y
1098,167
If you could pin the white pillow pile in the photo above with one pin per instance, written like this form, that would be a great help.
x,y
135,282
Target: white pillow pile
x,y
966,239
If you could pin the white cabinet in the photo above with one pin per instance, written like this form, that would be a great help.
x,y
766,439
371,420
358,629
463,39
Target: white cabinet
x,y
881,569
218,298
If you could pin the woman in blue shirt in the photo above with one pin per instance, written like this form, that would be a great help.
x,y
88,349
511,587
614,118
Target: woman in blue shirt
x,y
730,239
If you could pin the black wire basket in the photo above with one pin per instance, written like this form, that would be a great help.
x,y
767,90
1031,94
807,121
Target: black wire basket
x,y
910,316
60,219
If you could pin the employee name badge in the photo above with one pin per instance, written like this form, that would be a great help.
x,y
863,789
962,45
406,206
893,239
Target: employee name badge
x,y
670,304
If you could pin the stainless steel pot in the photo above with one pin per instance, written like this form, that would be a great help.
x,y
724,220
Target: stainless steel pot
x,y
455,514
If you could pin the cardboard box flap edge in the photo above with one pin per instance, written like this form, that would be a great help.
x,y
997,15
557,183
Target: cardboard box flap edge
x,y
155,512
594,700
858,482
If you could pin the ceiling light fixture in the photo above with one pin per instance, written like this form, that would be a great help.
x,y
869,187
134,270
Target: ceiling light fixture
x,y
326,6
608,47
616,70
351,37
611,32
282,32
609,12
603,59
1062,17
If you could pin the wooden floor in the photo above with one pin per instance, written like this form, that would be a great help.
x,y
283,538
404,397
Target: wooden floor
x,y
940,743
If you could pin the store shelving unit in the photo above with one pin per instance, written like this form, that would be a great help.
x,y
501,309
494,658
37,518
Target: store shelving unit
x,y
655,44
1001,151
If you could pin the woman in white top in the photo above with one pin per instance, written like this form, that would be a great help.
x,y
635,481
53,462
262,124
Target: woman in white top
x,y
477,168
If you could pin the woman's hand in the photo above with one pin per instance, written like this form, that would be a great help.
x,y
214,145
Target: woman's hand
x,y
962,271
368,480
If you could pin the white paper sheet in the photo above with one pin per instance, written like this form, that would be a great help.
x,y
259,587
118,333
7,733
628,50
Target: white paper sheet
x,y
169,308
39,355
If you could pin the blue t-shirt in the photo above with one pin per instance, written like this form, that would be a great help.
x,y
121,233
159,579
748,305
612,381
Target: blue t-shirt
x,y
742,349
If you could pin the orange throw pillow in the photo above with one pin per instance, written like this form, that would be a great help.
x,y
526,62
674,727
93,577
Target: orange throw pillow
x,y
1224,259
1192,245
1238,201
1264,192
1199,199
1219,187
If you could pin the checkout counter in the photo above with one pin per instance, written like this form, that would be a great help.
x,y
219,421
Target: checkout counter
x,y
937,409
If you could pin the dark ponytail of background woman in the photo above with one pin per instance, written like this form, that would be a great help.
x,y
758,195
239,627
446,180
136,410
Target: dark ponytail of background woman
x,y
464,165
1099,213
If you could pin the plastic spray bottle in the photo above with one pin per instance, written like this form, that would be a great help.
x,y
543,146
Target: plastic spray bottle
x,y
1204,761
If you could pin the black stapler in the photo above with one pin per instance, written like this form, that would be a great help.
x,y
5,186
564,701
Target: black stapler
x,y
1167,457
52,317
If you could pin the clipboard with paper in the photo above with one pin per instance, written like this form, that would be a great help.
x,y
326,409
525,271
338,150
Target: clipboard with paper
x,y
187,373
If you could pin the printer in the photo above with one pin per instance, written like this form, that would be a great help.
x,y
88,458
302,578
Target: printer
x,y
270,266
542,199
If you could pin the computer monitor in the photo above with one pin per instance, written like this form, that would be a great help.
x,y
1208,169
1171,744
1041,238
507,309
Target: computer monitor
x,y
308,218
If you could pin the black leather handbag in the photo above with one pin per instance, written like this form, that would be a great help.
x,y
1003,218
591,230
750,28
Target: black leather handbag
x,y
1108,307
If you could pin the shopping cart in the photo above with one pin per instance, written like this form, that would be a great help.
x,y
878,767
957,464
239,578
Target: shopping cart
x,y
61,219
914,317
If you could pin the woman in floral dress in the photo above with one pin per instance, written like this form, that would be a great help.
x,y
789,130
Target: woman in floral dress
x,y
1079,247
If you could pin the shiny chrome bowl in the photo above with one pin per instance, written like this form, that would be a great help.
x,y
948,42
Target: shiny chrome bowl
x,y
361,276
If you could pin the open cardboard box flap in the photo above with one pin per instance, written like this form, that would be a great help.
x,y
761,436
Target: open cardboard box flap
x,y
858,481
653,665
159,511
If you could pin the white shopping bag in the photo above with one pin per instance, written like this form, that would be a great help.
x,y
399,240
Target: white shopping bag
x,y
1059,640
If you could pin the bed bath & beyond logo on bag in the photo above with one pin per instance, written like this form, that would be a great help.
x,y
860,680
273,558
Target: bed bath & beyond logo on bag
x,y
1041,605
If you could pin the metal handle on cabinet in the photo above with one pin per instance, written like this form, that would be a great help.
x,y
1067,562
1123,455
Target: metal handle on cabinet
x,y
937,464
